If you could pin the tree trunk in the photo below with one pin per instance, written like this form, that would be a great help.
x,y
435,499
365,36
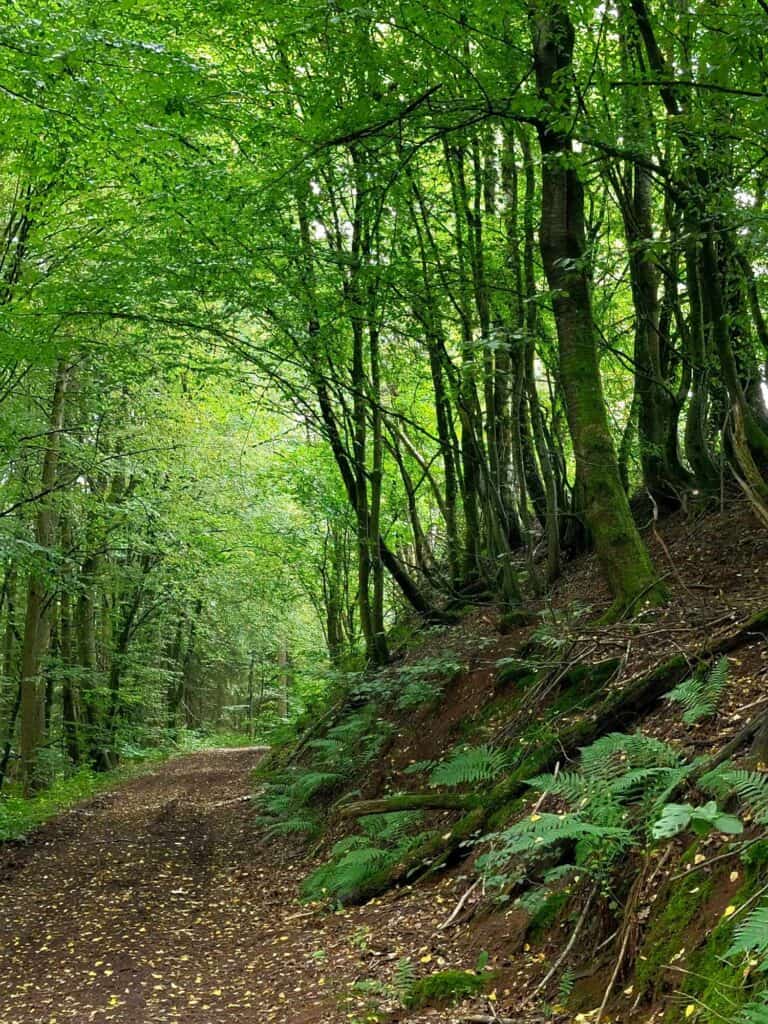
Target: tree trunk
x,y
622,554
37,626
663,473
283,681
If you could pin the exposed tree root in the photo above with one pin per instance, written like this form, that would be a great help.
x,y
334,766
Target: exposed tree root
x,y
409,802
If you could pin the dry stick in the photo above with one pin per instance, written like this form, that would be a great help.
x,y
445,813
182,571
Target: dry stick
x,y
661,541
460,905
692,868
614,976
754,704
484,1018
752,899
571,942
628,931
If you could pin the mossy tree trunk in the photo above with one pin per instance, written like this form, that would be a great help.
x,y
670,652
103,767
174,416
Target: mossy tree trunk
x,y
623,556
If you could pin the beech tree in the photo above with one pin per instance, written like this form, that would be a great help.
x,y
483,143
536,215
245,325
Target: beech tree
x,y
472,290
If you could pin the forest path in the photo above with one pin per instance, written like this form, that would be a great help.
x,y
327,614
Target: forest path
x,y
153,903
159,901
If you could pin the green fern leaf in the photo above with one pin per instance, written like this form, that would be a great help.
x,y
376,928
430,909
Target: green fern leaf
x,y
750,787
390,827
700,695
753,1013
751,935
569,786
476,764
540,831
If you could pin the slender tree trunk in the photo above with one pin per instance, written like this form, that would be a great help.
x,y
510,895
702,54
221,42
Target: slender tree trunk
x,y
623,555
37,626
532,328
69,708
283,681
663,473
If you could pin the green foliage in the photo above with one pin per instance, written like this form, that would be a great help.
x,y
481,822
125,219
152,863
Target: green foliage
x,y
725,980
410,686
751,934
676,818
384,839
616,801
20,815
750,787
700,695
291,800
403,978
470,766
754,1013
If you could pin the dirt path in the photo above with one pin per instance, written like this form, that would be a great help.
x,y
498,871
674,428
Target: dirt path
x,y
158,902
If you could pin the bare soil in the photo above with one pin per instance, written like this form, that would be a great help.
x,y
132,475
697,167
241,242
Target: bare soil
x,y
159,902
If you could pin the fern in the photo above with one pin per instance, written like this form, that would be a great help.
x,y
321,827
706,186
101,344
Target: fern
x,y
540,831
612,799
403,977
751,935
390,827
700,695
615,771
310,783
753,1013
473,765
572,787
384,840
340,877
612,755
750,787
566,985
296,825
421,767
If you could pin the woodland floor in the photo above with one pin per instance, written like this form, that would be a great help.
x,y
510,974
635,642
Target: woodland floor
x,y
158,902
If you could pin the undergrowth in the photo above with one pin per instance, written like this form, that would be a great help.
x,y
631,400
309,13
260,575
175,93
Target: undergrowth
x,y
383,840
294,798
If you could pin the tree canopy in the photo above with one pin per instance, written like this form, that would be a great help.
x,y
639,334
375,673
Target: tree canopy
x,y
317,316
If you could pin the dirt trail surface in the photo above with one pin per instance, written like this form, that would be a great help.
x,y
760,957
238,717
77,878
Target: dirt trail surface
x,y
159,902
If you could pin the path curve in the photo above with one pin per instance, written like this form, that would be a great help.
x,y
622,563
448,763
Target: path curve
x,y
148,904
159,902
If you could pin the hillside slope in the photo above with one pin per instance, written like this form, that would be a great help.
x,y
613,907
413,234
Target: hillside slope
x,y
582,902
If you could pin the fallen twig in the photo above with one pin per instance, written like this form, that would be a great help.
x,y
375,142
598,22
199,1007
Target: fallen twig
x,y
571,942
460,905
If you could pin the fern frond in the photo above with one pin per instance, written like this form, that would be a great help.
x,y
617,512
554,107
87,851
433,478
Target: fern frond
x,y
288,826
310,783
338,878
569,786
403,976
540,831
700,695
753,1013
421,767
613,755
389,827
750,787
644,783
751,935
476,764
